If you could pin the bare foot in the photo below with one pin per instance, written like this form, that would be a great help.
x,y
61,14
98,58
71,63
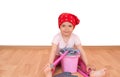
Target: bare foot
x,y
98,73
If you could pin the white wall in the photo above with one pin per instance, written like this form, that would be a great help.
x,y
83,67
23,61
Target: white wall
x,y
34,22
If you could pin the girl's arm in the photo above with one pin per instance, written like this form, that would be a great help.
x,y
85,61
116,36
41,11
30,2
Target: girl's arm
x,y
53,53
47,68
83,54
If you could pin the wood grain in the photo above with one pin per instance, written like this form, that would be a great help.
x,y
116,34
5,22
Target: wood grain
x,y
27,61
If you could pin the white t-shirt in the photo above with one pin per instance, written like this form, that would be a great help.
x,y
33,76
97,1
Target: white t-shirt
x,y
58,40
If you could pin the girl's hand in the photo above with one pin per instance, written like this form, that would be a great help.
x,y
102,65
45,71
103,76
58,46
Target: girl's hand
x,y
47,67
91,68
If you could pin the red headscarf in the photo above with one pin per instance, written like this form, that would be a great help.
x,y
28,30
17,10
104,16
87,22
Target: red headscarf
x,y
68,17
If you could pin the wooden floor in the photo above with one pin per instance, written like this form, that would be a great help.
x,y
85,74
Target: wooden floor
x,y
27,61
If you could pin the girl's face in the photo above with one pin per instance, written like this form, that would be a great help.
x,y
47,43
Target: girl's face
x,y
66,28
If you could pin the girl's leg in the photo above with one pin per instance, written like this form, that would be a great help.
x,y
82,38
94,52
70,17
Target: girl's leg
x,y
98,73
90,72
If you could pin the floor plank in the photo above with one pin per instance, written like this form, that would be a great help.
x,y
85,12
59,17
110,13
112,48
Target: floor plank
x,y
27,61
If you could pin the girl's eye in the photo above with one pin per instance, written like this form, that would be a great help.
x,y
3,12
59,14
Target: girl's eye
x,y
70,25
63,25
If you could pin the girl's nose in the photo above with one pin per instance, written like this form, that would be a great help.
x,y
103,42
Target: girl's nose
x,y
66,28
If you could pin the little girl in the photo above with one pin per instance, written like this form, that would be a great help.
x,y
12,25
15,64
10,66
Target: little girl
x,y
67,39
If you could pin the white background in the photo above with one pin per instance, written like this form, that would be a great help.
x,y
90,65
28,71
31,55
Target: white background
x,y
35,22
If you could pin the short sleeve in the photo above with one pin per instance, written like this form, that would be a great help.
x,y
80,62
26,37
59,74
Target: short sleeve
x,y
77,40
55,39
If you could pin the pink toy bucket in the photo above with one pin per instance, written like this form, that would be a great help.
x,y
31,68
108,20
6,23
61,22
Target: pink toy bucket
x,y
70,63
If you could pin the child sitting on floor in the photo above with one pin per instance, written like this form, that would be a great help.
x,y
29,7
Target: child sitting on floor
x,y
67,39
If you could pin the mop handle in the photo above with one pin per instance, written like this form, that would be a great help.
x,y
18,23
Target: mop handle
x,y
85,75
61,57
